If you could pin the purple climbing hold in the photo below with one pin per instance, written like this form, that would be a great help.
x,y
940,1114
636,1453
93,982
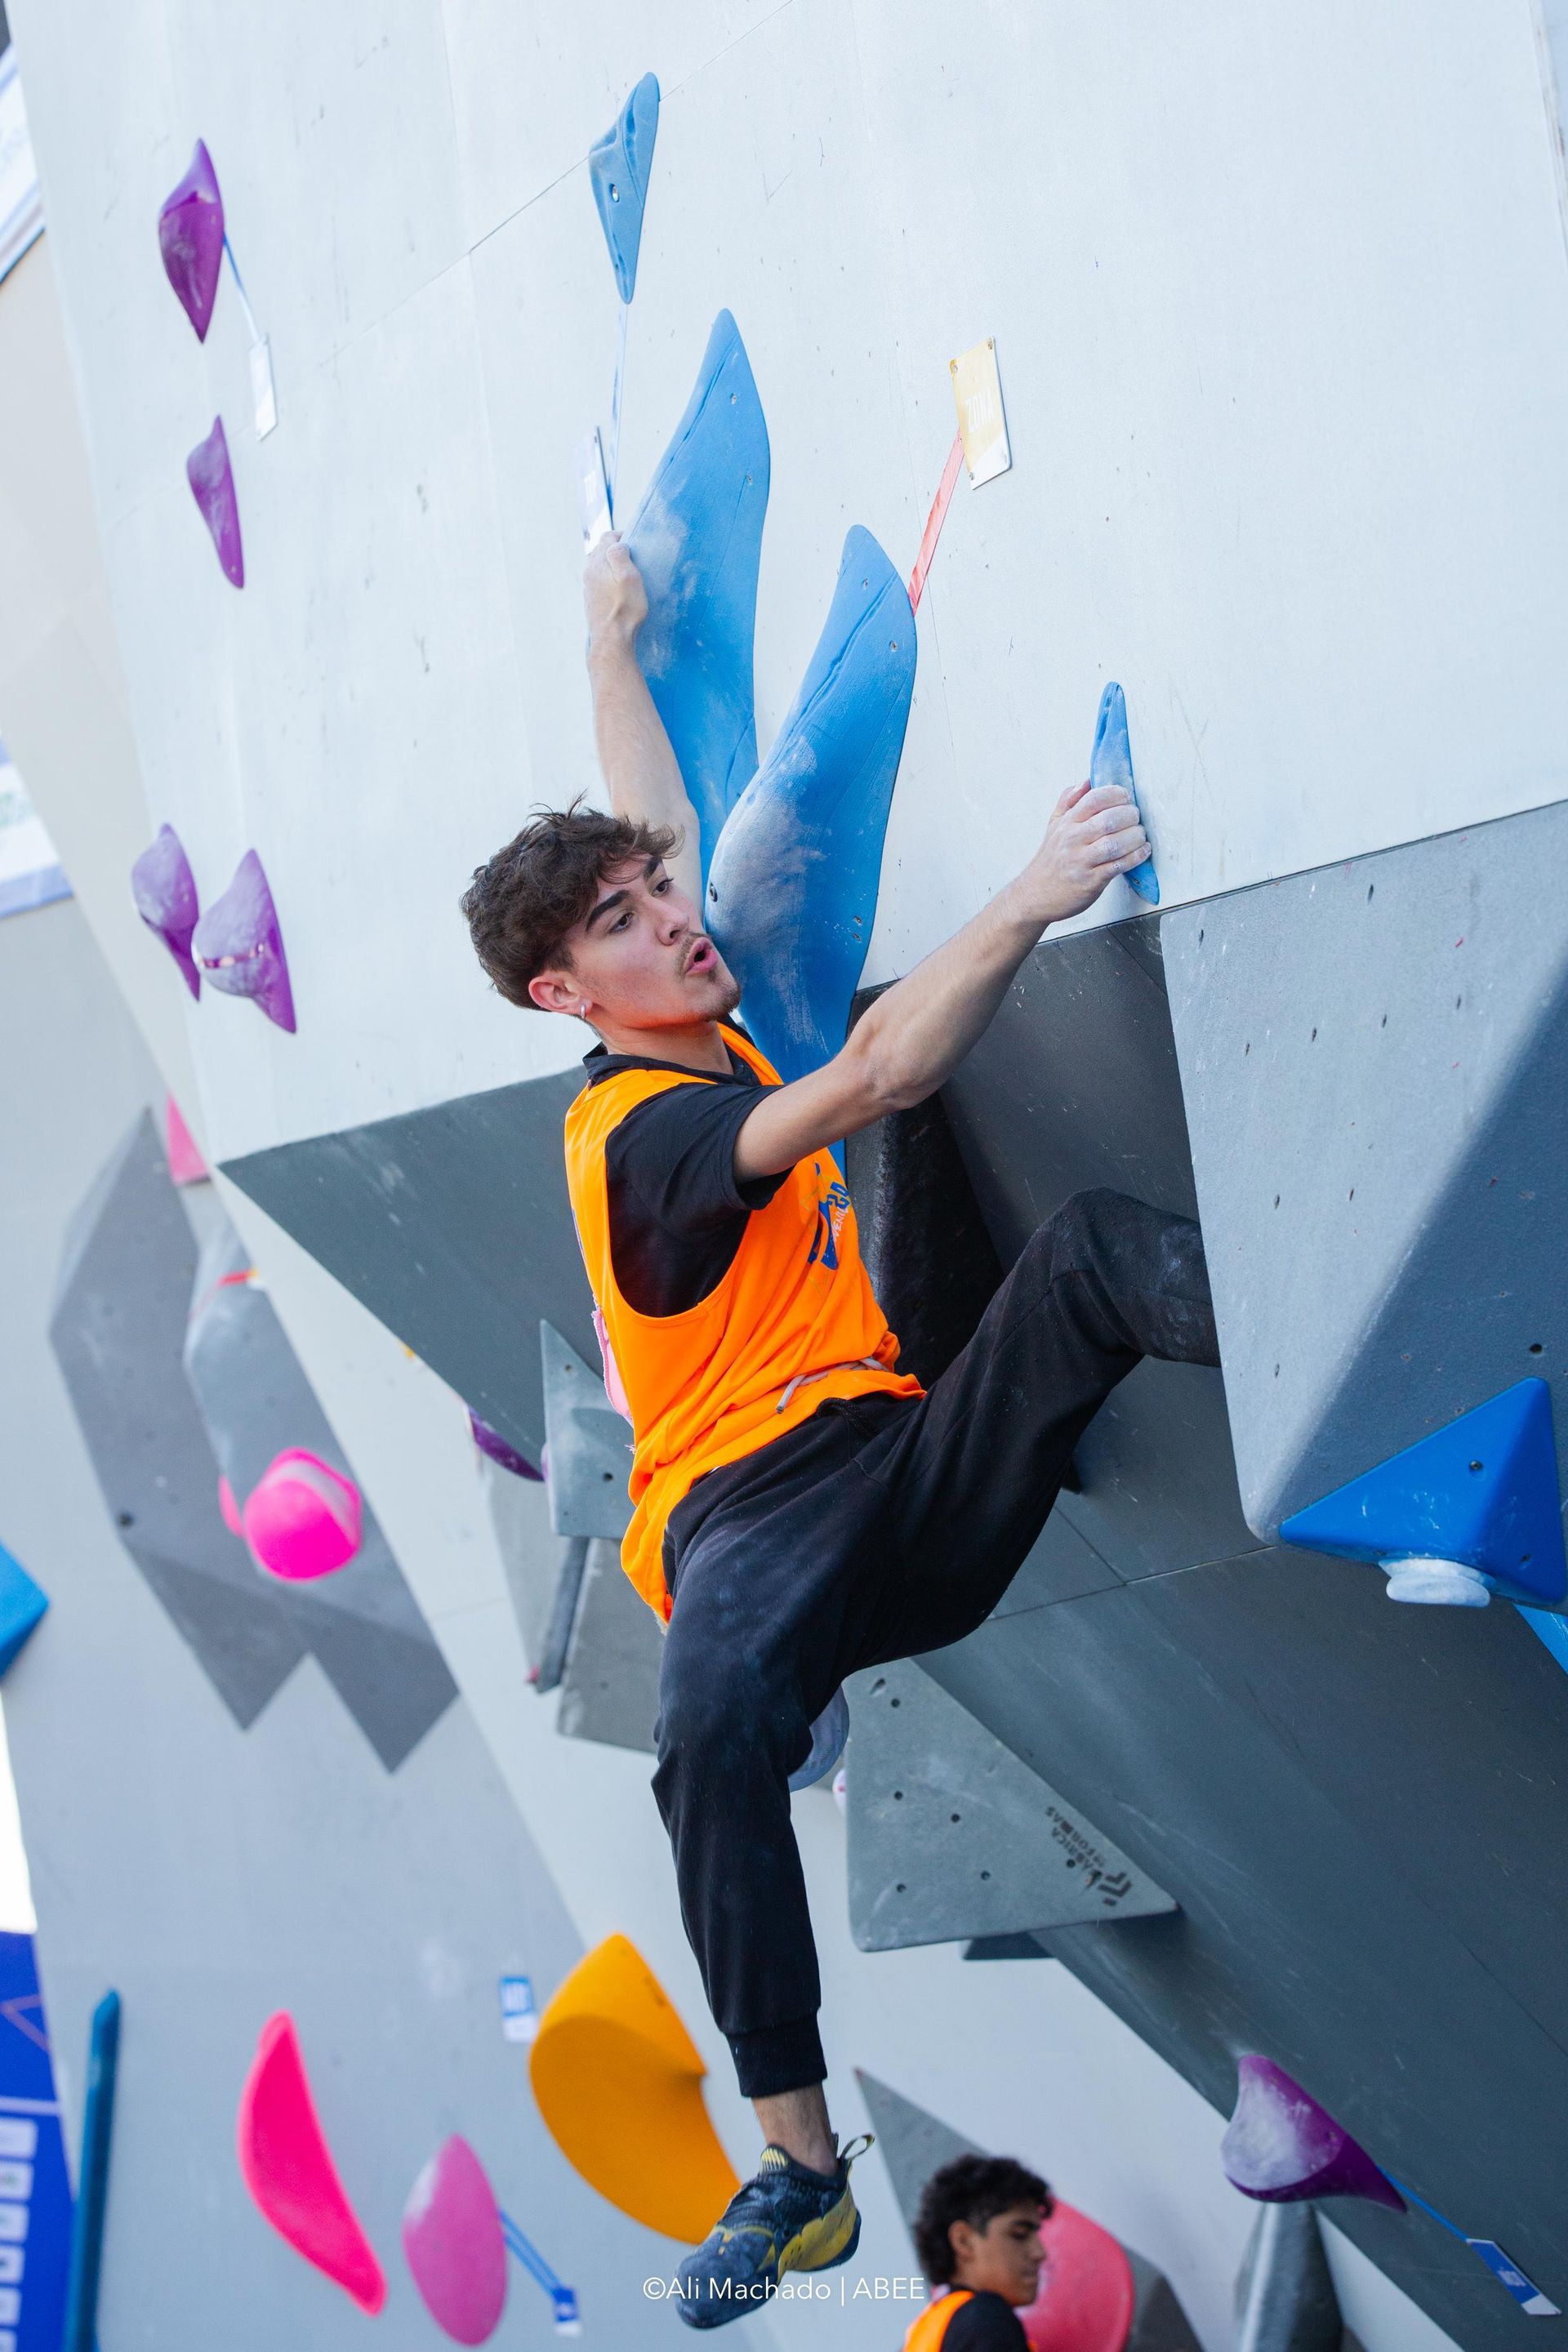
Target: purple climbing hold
x,y
164,890
1282,2148
190,239
211,479
492,1443
240,947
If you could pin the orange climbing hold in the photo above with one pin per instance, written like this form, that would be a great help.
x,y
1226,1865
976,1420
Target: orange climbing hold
x,y
619,2084
288,2168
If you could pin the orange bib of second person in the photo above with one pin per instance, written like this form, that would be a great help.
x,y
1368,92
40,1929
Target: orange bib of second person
x,y
792,1322
931,2325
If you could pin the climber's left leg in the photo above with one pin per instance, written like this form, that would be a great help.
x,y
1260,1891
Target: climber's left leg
x,y
972,1473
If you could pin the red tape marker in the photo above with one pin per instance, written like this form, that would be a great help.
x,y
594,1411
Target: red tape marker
x,y
934,520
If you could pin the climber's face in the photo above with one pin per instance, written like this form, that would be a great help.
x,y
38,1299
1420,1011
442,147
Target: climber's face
x,y
639,960
1005,2257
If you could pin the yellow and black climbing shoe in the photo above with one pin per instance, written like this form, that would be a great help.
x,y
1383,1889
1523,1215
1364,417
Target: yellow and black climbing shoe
x,y
786,2219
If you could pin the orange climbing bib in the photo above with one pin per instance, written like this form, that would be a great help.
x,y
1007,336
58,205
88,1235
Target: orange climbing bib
x,y
792,1322
934,2321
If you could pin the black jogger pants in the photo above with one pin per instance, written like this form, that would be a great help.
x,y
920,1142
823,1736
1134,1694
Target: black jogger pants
x,y
879,1527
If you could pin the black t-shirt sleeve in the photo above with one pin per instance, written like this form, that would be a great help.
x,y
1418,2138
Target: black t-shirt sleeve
x,y
985,2324
677,1214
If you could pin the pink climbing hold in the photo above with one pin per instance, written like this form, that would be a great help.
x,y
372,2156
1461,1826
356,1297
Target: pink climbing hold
x,y
288,2167
453,2242
230,1509
187,1165
303,1518
1087,2296
1281,2147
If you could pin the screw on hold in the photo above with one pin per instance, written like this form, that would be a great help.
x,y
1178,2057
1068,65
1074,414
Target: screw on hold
x,y
615,193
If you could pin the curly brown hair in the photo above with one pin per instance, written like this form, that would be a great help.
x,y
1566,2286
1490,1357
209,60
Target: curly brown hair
x,y
520,907
973,2188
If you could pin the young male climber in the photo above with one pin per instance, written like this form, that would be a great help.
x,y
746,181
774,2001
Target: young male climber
x,y
802,1509
977,2234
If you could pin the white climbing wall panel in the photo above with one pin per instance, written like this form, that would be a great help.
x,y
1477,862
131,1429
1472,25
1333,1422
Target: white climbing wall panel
x,y
1281,305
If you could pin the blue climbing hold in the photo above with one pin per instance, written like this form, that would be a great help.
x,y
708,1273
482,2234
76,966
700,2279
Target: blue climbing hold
x,y
22,1603
1483,1492
1112,763
618,169
792,892
697,539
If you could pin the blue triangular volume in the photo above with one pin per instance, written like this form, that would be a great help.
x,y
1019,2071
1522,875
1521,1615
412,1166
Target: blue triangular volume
x,y
792,896
1112,763
1483,1492
697,539
618,169
22,1603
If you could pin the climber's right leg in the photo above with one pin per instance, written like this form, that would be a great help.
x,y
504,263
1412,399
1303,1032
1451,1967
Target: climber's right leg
x,y
777,1564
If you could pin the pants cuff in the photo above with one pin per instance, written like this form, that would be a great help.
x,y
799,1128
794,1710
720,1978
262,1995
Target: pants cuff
x,y
777,2058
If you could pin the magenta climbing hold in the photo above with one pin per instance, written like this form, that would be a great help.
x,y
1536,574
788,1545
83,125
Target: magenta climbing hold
x,y
302,1518
240,947
454,2245
211,478
187,1165
164,890
496,1448
1281,2147
190,239
288,2167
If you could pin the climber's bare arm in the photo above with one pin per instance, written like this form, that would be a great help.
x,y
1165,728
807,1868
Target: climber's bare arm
x,y
913,1037
634,754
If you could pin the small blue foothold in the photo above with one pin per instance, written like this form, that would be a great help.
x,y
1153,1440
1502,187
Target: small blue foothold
x,y
1112,763
22,1603
697,539
619,168
792,893
1482,1492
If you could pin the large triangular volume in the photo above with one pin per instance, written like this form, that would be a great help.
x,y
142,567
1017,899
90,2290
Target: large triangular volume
x,y
588,1457
953,1836
1482,1493
914,2143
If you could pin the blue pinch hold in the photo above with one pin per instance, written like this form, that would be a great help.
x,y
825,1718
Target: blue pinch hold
x,y
618,169
1112,763
1482,1493
792,895
697,539
22,1603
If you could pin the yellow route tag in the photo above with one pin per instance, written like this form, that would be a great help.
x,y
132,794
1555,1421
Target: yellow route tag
x,y
982,420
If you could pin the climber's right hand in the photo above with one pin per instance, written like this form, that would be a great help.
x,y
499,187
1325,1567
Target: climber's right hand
x,y
614,597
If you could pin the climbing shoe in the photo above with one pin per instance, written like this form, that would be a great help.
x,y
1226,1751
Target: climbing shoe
x,y
787,2219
